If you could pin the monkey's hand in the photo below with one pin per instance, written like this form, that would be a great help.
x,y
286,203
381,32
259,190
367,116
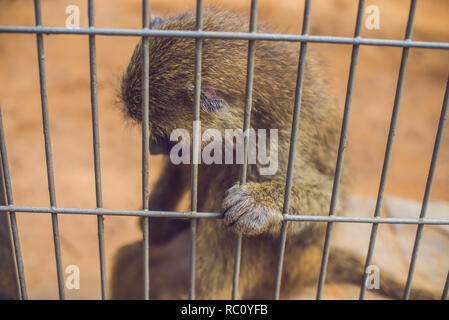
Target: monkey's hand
x,y
256,208
247,214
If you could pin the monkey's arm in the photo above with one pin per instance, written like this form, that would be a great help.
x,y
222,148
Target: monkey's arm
x,y
256,208
165,196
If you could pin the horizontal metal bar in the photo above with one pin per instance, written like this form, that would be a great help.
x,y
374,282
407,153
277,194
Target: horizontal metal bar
x,y
214,215
366,220
110,212
227,35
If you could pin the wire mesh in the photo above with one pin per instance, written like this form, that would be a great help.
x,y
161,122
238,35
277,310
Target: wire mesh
x,y
252,36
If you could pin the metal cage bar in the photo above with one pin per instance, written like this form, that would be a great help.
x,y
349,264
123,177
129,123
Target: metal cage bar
x,y
216,215
292,151
391,134
195,146
227,35
145,144
12,214
246,126
341,147
436,149
96,146
48,148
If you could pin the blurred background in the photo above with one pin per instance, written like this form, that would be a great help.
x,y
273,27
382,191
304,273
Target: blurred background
x,y
67,67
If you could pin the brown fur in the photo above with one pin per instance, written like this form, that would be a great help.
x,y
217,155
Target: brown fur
x,y
255,209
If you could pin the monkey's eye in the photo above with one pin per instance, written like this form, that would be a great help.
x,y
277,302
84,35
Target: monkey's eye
x,y
211,101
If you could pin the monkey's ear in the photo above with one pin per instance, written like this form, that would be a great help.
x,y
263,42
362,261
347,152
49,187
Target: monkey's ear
x,y
211,100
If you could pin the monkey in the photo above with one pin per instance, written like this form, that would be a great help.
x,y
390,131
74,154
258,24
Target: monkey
x,y
253,209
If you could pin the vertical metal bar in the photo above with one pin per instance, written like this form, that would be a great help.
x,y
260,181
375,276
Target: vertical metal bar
x,y
391,134
96,142
430,176
446,288
145,145
48,149
246,125
341,147
12,215
9,280
292,151
195,146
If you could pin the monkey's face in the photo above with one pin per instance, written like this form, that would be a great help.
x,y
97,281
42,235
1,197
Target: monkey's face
x,y
172,82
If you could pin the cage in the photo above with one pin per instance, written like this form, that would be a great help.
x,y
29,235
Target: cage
x,y
13,266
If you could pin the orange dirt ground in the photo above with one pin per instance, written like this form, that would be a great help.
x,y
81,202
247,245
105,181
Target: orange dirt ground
x,y
67,67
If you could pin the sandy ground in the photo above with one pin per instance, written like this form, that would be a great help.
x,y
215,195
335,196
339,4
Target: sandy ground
x,y
67,67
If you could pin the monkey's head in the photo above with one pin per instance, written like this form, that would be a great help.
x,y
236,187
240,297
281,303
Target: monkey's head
x,y
171,78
